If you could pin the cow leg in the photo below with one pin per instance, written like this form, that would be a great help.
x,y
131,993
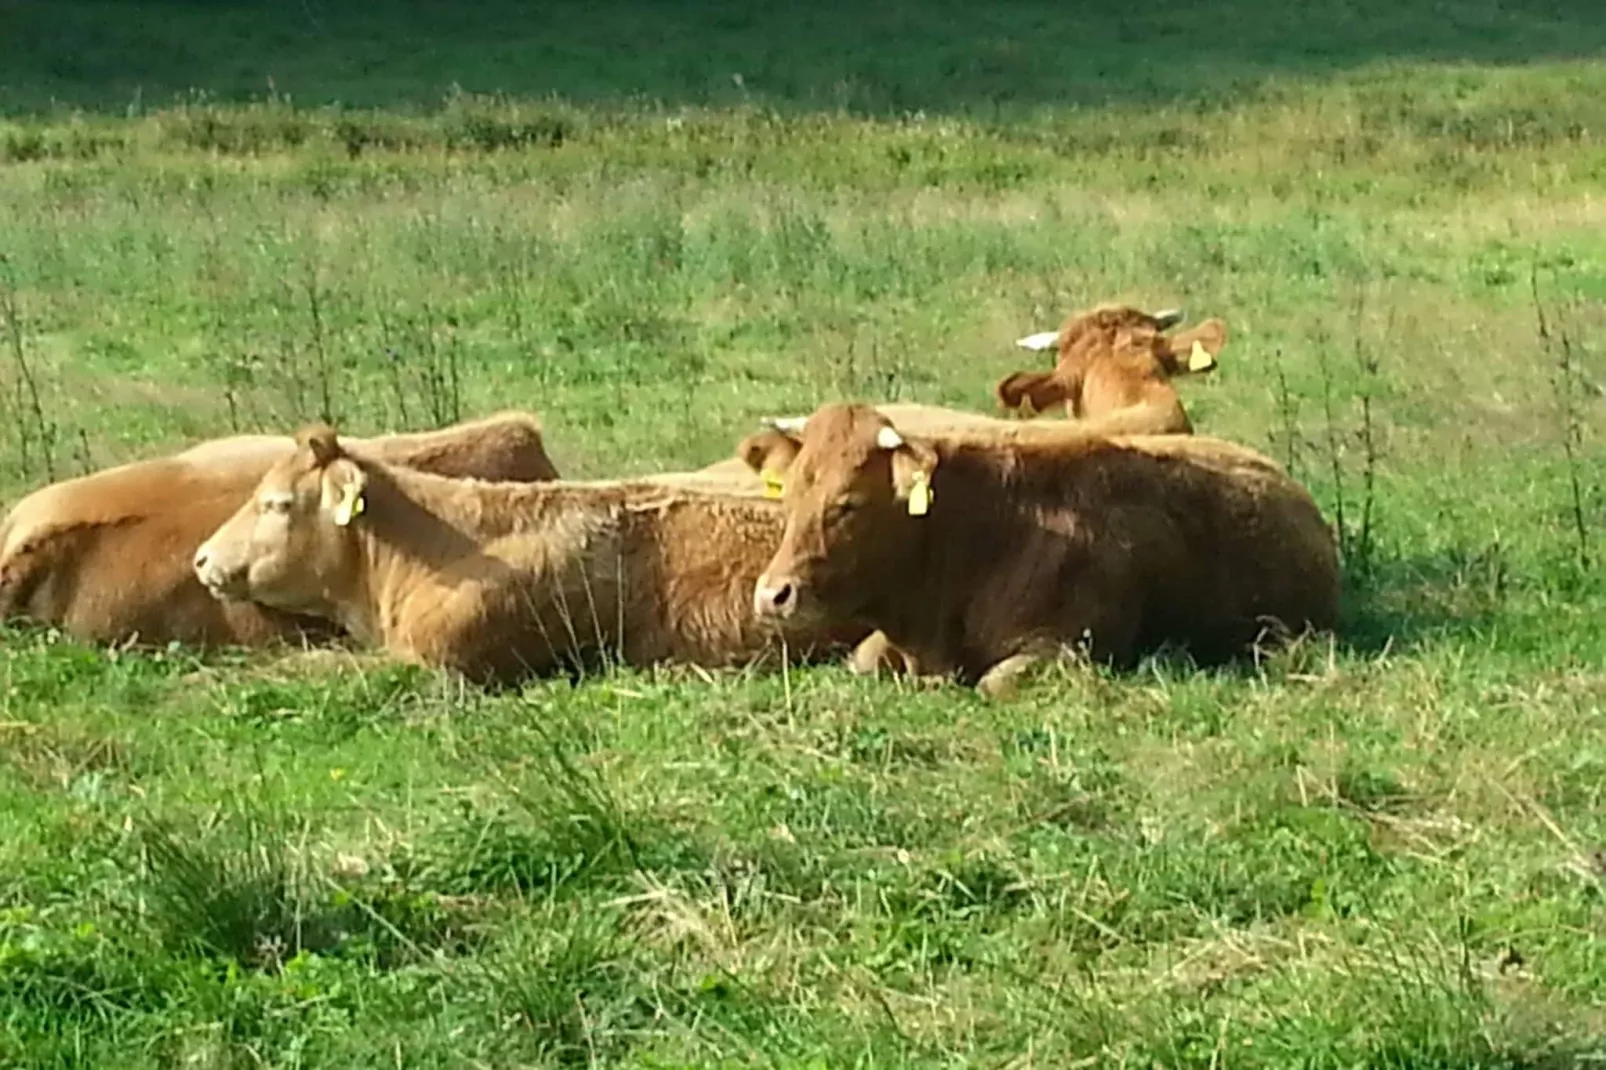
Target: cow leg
x,y
870,655
1002,680
876,652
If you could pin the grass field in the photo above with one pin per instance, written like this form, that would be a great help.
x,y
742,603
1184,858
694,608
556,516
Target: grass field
x,y
1384,851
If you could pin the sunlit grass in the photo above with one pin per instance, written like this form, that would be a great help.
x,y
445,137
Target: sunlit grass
x,y
1383,850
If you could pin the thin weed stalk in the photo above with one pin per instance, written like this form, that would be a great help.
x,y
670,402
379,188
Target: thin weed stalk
x,y
1369,367
1287,416
1558,345
441,386
389,338
86,464
239,380
320,346
35,431
291,374
1334,447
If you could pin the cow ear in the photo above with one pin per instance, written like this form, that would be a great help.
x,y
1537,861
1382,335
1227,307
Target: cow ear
x,y
1196,350
321,441
768,450
1029,393
344,491
913,464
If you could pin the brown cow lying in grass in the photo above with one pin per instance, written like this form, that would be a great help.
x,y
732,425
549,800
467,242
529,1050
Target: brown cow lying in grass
x,y
769,452
1115,366
977,556
762,458
501,581
107,557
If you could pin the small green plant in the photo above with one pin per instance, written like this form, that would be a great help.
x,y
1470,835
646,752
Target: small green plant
x,y
1376,848
1287,434
1559,345
577,991
1355,533
239,889
35,432
422,365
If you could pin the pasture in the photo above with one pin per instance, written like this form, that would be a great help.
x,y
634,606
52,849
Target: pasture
x,y
653,226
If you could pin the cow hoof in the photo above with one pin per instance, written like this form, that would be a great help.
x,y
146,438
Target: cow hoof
x,y
1002,681
876,654
871,655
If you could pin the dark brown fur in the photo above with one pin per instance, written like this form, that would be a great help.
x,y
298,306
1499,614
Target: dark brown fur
x,y
1044,540
107,557
772,450
1115,368
500,581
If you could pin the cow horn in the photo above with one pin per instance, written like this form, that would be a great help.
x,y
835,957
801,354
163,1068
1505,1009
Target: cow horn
x,y
1040,340
1168,318
787,425
888,438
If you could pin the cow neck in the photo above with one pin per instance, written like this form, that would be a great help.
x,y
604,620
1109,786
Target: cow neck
x,y
1073,374
939,573
414,525
967,539
472,508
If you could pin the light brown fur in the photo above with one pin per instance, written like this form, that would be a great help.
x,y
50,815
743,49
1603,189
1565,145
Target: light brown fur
x,y
107,557
1115,368
500,581
1041,541
769,449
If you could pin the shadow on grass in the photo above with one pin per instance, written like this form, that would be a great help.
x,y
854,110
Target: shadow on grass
x,y
937,56
1420,598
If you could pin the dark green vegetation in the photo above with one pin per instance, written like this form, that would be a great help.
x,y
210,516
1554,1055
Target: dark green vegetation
x,y
1386,853
937,55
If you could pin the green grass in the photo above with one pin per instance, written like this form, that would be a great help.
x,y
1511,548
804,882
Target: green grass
x,y
1386,852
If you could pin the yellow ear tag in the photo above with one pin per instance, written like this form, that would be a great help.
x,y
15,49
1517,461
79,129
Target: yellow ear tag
x,y
772,482
351,505
1199,358
920,495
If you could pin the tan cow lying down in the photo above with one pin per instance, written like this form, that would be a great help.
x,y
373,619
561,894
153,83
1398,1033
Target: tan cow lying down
x,y
976,556
107,557
500,581
1115,366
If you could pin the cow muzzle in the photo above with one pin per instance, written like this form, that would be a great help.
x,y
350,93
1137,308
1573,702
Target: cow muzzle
x,y
774,599
220,582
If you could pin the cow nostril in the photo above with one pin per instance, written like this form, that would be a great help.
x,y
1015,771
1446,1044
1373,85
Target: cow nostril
x,y
774,600
201,560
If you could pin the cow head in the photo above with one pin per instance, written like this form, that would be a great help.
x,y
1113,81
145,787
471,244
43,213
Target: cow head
x,y
770,452
292,545
1118,336
1191,352
854,491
